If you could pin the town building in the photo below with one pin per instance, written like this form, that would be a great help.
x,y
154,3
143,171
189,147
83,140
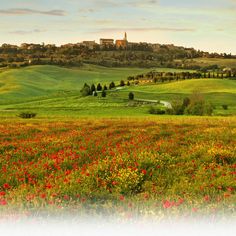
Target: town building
x,y
89,44
122,43
106,42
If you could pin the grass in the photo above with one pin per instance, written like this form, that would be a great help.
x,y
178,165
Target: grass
x,y
221,62
55,91
44,81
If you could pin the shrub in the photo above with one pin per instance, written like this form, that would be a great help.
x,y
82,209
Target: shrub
x,y
156,111
27,115
199,109
225,107
86,91
104,94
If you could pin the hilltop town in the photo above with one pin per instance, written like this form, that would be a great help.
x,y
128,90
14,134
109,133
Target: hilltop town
x,y
108,52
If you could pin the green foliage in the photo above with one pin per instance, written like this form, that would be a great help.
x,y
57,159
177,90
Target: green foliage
x,y
225,107
99,87
122,83
156,111
27,115
93,88
112,85
104,94
131,96
86,91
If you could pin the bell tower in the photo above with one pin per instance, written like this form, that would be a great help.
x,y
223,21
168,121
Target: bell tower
x,y
125,38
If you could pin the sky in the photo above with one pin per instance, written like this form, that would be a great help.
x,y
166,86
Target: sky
x,y
208,25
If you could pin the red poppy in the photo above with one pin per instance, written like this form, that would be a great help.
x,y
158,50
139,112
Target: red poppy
x,y
3,202
144,172
122,198
6,186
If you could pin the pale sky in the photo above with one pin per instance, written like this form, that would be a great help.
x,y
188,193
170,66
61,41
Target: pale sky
x,y
208,25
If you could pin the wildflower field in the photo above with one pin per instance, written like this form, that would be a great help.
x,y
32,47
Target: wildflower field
x,y
127,167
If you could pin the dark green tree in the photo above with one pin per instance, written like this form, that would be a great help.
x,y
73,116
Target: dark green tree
x,y
104,94
112,85
131,96
122,83
93,88
99,87
86,91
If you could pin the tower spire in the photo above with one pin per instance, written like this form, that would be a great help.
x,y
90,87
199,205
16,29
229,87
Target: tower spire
x,y
125,36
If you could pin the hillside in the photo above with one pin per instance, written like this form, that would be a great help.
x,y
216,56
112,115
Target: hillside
x,y
37,81
53,90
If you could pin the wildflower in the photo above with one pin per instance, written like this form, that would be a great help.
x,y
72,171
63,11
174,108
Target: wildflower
x,y
43,195
2,193
144,172
167,204
207,198
6,186
3,202
194,209
122,198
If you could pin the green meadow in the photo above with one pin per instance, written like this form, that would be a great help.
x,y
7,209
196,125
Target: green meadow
x,y
53,91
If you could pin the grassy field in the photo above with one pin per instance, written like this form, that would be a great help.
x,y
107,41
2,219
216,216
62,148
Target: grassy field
x,y
128,167
228,63
38,81
53,91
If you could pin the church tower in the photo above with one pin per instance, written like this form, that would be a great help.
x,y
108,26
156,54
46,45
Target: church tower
x,y
125,38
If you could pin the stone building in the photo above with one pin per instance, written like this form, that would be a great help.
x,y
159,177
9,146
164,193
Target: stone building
x,y
106,42
122,43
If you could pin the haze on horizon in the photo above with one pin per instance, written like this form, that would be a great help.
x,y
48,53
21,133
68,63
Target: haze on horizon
x,y
208,26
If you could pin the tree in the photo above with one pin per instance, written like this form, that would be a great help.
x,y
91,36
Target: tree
x,y
112,85
122,83
128,83
105,87
95,94
186,102
131,96
99,87
86,91
93,88
198,106
104,94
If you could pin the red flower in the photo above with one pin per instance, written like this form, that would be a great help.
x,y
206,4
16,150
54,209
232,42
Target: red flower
x,y
144,172
48,186
6,186
167,204
122,198
3,202
207,198
43,195
2,193
194,209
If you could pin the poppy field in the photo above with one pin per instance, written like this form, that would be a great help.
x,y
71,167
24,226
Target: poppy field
x,y
128,167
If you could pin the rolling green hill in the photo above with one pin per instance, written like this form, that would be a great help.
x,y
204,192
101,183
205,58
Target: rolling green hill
x,y
26,83
51,89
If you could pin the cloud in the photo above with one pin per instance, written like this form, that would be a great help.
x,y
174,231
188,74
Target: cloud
x,y
108,30
24,32
26,11
101,4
